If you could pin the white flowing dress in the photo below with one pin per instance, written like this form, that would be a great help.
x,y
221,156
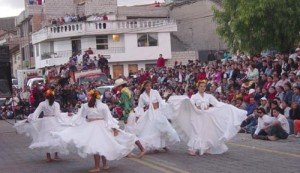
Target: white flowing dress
x,y
153,128
97,137
39,128
208,128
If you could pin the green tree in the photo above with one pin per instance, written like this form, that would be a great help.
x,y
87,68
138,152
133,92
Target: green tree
x,y
256,25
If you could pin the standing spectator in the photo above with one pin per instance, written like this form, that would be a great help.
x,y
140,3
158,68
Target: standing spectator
x,y
160,61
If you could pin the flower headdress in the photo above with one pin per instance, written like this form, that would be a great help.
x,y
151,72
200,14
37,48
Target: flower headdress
x,y
94,93
49,93
201,81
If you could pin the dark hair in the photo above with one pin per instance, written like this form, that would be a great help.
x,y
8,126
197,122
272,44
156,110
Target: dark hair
x,y
278,109
92,101
51,100
144,85
262,110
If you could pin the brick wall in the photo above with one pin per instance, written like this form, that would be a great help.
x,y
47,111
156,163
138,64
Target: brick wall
x,y
183,57
36,22
58,8
196,27
100,6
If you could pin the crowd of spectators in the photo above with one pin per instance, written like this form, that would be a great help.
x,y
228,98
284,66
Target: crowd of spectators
x,y
72,18
261,85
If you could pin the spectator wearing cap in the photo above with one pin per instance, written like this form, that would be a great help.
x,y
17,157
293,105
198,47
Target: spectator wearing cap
x,y
264,104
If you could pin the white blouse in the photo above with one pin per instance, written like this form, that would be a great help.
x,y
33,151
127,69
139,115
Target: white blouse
x,y
100,111
145,99
205,101
49,111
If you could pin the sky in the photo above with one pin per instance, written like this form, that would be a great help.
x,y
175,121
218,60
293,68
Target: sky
x,y
14,7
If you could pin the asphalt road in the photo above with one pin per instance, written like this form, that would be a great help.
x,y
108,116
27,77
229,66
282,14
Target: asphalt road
x,y
244,155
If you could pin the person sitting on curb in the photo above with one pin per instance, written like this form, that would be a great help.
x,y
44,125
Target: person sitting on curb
x,y
262,121
278,129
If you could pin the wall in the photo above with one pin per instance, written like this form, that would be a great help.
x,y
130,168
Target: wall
x,y
196,27
132,53
183,57
100,6
58,8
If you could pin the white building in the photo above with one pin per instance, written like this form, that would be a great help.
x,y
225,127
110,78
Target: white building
x,y
129,42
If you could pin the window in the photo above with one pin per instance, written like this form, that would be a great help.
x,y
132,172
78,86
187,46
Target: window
x,y
102,42
146,40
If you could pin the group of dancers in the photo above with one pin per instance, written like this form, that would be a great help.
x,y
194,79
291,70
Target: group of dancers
x,y
204,123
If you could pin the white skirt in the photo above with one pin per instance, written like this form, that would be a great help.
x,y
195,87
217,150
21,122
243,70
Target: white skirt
x,y
155,131
96,137
207,130
39,132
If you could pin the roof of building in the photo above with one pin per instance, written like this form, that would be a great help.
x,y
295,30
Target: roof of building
x,y
148,10
7,23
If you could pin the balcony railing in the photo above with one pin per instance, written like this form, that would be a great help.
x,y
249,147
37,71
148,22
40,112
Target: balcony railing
x,y
68,53
58,54
104,27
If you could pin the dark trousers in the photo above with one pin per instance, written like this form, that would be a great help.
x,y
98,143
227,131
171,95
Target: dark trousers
x,y
278,131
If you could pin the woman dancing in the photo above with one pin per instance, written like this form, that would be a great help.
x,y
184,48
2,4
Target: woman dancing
x,y
205,123
153,129
39,128
98,135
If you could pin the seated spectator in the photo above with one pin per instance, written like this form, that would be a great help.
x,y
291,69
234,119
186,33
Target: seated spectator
x,y
279,128
262,122
294,114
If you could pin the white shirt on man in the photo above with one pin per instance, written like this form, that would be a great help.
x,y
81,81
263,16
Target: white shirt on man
x,y
262,122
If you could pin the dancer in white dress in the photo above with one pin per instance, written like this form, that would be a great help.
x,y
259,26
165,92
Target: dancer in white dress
x,y
98,134
153,128
206,128
39,128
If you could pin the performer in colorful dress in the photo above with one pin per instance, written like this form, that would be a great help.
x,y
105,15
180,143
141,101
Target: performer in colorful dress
x,y
126,102
126,98
98,134
153,128
39,128
205,123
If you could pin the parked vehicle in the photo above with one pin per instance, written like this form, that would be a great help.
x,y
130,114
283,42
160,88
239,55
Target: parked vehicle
x,y
33,81
15,83
90,76
102,89
23,76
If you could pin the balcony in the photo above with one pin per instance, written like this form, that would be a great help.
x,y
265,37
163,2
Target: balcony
x,y
29,11
104,27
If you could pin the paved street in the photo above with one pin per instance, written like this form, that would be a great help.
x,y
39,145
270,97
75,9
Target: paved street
x,y
244,155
